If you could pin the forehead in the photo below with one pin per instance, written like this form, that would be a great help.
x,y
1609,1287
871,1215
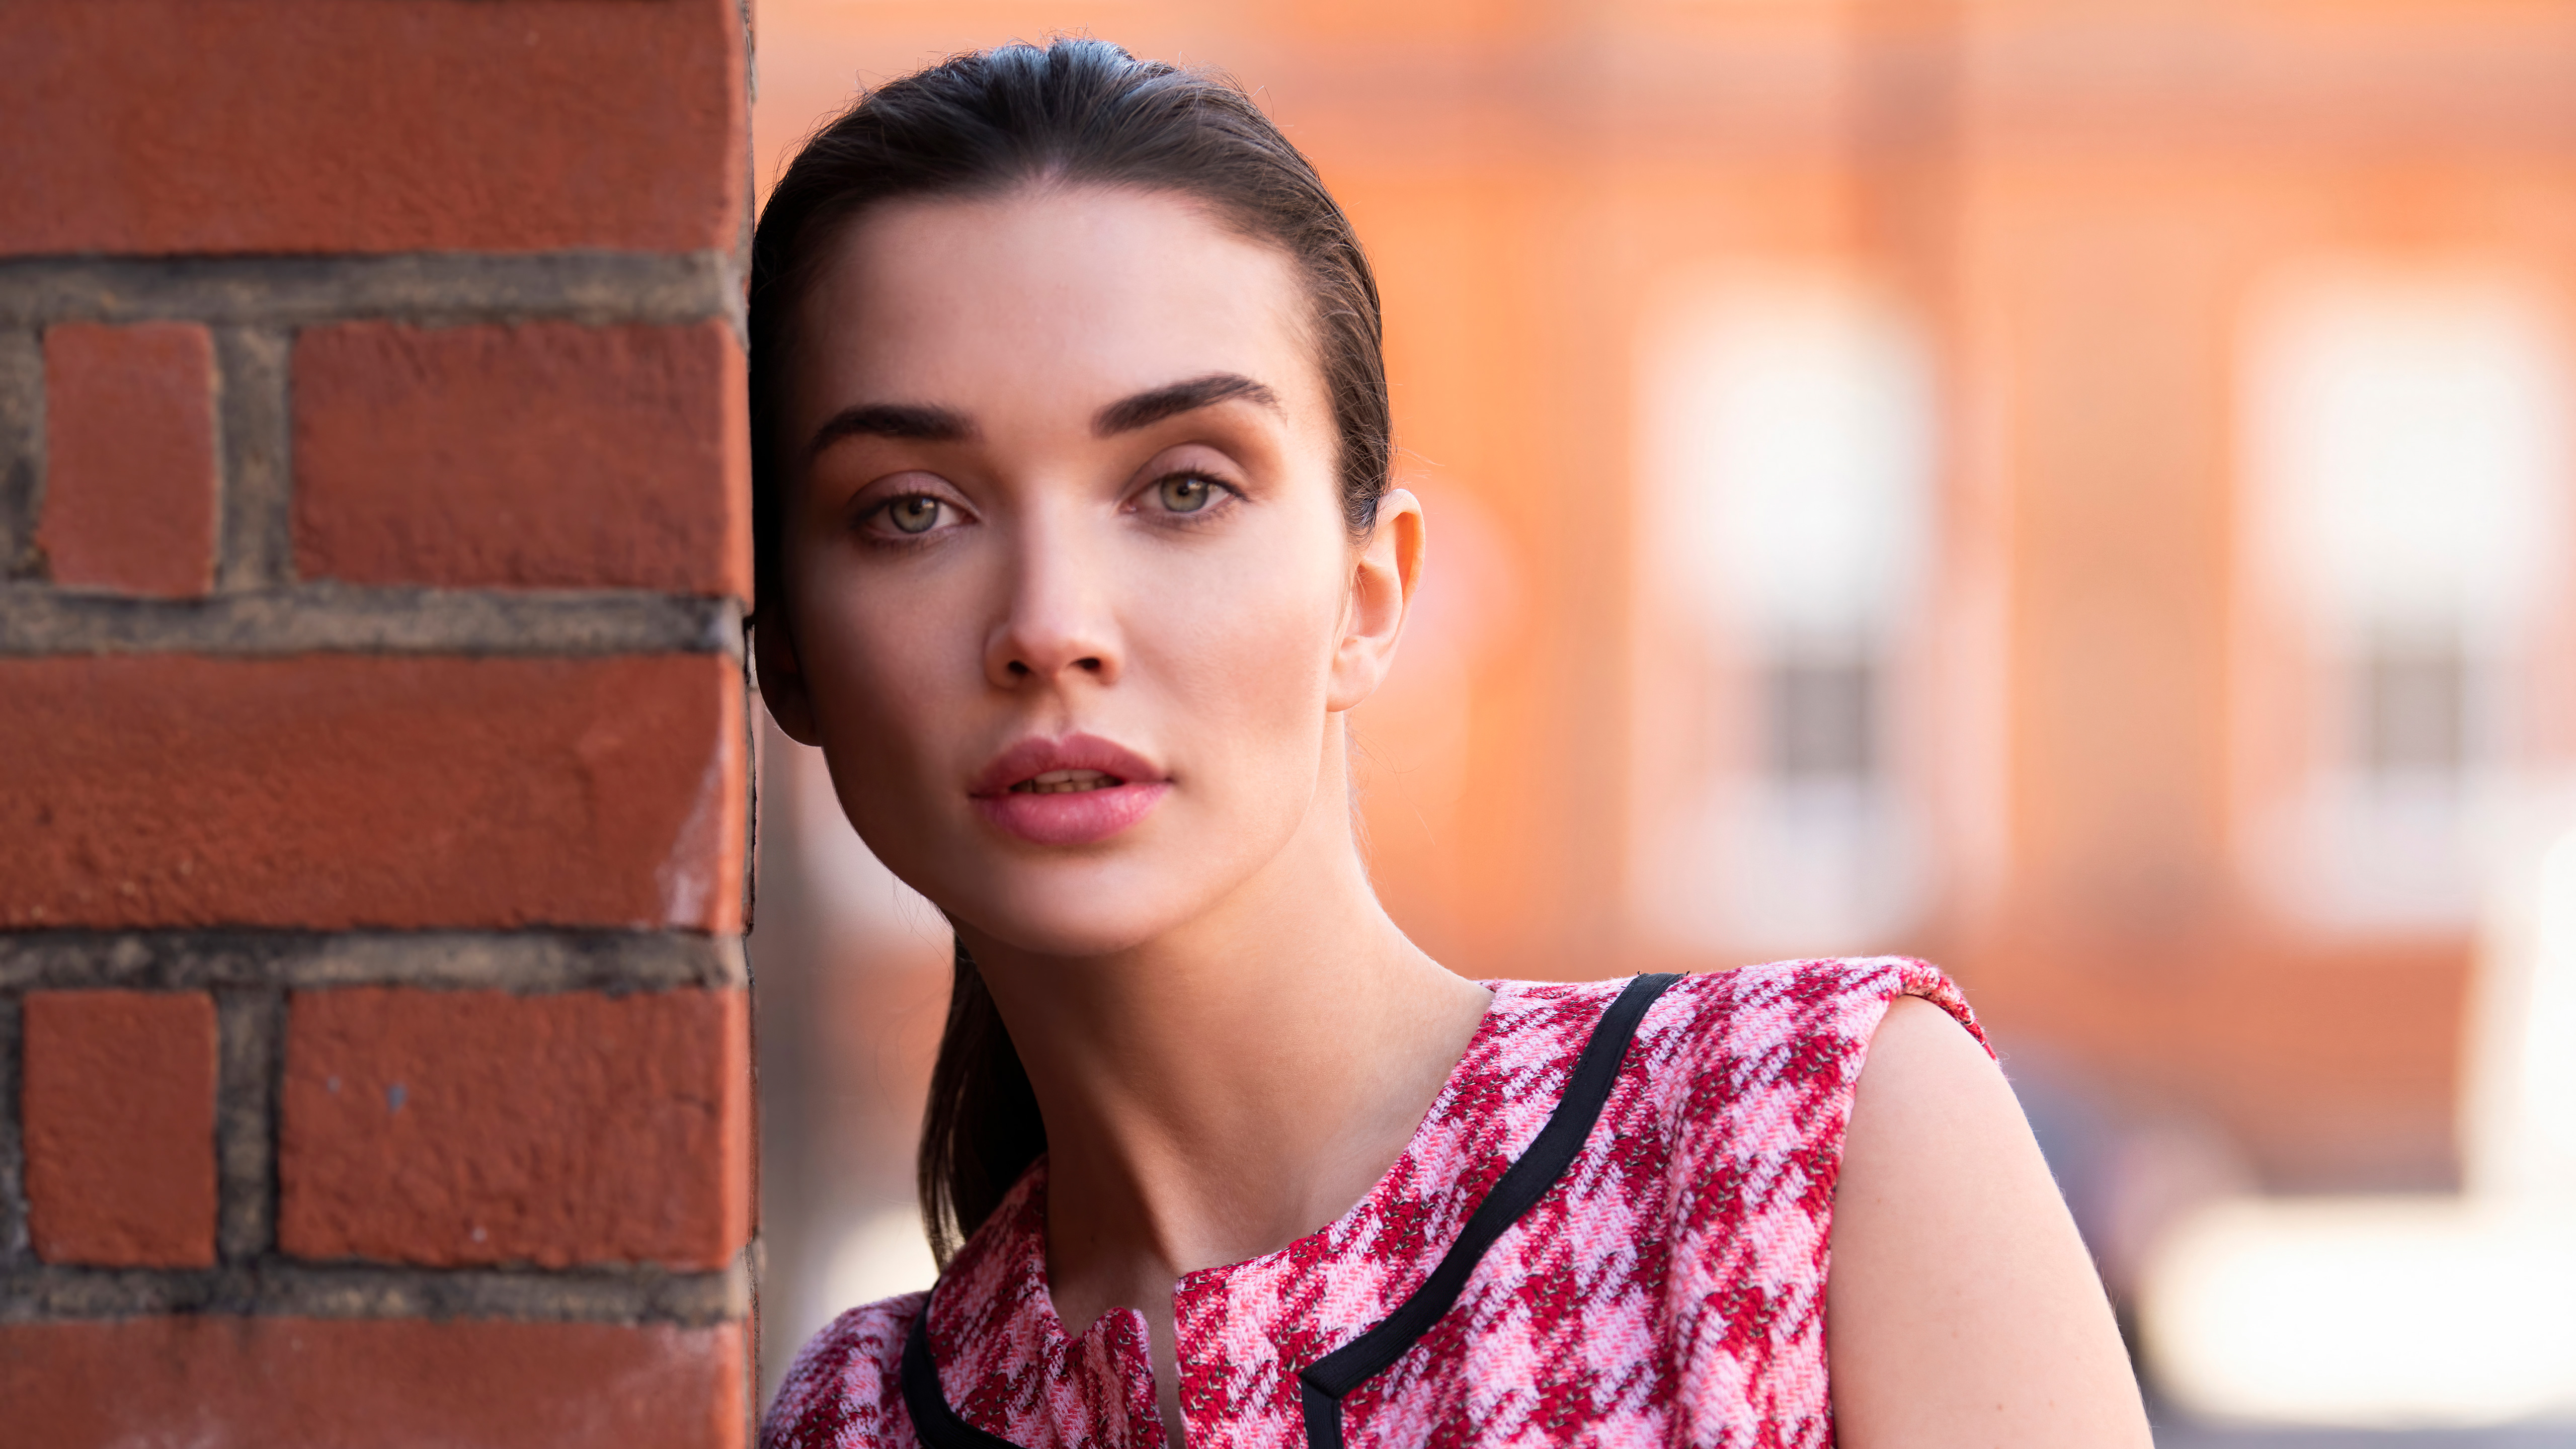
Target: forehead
x,y
1076,295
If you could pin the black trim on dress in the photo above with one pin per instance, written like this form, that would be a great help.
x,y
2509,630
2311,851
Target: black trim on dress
x,y
1323,1384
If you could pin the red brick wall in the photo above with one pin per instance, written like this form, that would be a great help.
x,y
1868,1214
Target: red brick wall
x,y
374,1066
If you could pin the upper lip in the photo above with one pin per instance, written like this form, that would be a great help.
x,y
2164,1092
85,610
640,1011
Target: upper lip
x,y
1035,756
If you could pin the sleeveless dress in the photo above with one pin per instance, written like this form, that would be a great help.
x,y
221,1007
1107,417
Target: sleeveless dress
x,y
1667,1288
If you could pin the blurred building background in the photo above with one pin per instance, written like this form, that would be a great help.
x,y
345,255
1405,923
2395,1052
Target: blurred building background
x,y
2076,489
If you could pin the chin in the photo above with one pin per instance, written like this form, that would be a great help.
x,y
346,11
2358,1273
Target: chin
x,y
1079,905
1054,922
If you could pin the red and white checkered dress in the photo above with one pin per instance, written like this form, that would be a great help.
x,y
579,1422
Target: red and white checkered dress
x,y
1670,1289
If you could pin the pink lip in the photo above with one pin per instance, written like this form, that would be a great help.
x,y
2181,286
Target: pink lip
x,y
1079,818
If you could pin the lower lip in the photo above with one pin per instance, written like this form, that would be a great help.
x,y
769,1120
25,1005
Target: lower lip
x,y
1077,817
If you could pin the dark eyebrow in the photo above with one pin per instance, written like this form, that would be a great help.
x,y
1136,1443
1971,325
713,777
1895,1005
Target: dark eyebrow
x,y
893,420
1148,408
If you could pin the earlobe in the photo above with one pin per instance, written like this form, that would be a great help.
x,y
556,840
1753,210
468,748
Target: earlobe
x,y
782,677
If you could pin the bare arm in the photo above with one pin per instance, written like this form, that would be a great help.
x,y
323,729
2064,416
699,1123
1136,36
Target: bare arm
x,y
1962,1311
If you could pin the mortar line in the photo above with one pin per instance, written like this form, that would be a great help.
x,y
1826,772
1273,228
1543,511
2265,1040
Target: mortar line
x,y
275,1286
22,452
527,962
248,1025
339,618
600,288
255,548
13,1161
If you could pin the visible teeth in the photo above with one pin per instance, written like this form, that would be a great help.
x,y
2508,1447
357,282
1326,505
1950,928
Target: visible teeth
x,y
1065,782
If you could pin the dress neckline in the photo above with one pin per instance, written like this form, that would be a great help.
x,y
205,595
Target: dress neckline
x,y
1020,1221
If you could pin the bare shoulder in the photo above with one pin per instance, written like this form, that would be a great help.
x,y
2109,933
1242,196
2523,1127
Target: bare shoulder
x,y
1961,1307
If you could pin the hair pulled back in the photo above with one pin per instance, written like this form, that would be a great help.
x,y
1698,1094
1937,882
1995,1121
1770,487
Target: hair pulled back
x,y
1072,112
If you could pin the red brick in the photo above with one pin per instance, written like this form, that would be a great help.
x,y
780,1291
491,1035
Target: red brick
x,y
119,1111
159,126
248,1383
336,791
549,454
474,1127
130,457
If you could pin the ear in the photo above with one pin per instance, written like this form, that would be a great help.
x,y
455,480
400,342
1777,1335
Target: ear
x,y
782,676
1383,579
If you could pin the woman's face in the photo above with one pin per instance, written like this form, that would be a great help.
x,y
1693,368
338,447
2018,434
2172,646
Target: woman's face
x,y
1073,605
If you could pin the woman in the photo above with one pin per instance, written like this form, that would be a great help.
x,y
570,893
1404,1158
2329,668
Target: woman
x,y
1071,451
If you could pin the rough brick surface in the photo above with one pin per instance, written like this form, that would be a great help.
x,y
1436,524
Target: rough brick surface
x,y
326,792
478,1127
250,1383
118,1104
394,125
547,454
130,484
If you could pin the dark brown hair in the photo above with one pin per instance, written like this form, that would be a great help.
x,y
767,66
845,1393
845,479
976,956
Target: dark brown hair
x,y
1073,112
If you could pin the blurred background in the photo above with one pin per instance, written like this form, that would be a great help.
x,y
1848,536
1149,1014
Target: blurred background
x,y
2076,489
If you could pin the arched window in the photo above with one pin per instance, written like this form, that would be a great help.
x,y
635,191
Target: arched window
x,y
1785,505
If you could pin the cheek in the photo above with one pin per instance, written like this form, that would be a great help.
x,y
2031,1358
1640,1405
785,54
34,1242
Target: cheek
x,y
874,656
1248,655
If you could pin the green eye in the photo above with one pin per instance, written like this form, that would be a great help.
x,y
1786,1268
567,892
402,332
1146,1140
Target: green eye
x,y
915,514
1182,493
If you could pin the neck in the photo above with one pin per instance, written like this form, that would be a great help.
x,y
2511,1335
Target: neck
x,y
1230,1086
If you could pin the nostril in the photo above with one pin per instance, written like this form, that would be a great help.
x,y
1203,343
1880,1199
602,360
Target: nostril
x,y
1092,664
1018,669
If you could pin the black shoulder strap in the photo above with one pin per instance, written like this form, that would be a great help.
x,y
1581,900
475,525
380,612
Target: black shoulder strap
x,y
1324,1383
933,1422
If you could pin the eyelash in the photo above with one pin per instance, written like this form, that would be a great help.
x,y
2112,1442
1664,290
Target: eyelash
x,y
895,538
886,535
1228,495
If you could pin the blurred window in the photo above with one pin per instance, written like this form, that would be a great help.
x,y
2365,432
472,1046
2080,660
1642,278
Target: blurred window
x,y
2411,708
1788,459
1822,719
2407,461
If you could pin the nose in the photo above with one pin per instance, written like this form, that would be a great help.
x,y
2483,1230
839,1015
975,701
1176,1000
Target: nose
x,y
1056,623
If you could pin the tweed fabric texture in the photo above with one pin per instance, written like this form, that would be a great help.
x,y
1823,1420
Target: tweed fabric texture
x,y
1669,1290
